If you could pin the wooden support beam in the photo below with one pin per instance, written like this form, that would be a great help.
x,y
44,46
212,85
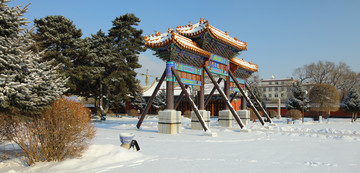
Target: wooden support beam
x,y
151,100
201,93
178,100
192,104
233,97
226,100
258,102
247,98
212,92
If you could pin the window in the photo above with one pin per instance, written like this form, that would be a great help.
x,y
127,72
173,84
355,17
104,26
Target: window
x,y
264,89
276,95
282,89
276,83
282,94
270,95
276,89
270,89
270,83
282,82
264,95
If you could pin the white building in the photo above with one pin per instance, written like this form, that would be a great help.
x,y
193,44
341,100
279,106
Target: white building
x,y
276,88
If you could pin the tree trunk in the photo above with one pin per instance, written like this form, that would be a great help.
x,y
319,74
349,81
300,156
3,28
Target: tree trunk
x,y
352,117
355,116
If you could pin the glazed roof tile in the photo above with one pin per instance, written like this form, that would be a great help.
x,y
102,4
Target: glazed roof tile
x,y
161,40
199,28
245,65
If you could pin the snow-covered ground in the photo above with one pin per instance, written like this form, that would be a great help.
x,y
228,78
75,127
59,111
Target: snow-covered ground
x,y
330,146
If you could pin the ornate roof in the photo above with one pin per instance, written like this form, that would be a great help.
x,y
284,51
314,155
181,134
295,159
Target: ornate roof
x,y
244,65
162,40
199,28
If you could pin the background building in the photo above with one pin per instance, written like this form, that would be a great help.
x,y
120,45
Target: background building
x,y
273,89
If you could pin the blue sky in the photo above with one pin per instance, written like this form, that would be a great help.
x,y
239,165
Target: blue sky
x,y
281,34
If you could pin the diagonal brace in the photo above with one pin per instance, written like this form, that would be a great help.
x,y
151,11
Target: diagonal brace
x,y
192,104
247,98
212,93
258,102
232,110
151,100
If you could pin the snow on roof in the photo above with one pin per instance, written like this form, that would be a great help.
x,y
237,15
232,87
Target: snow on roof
x,y
151,89
161,40
197,29
245,65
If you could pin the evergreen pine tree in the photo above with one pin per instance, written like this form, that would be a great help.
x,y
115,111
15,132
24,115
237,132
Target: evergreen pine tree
x,y
351,103
129,44
295,101
160,101
138,102
27,85
59,37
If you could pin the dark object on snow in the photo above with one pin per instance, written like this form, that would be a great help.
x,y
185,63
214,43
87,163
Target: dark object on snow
x,y
134,144
103,118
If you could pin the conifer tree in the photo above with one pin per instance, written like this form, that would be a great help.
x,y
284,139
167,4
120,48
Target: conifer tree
x,y
295,101
160,101
27,85
351,103
138,102
129,44
59,37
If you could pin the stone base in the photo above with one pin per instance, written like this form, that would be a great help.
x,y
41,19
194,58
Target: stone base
x,y
278,116
244,116
195,123
169,122
226,119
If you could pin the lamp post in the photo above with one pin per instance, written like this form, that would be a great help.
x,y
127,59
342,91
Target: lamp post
x,y
303,108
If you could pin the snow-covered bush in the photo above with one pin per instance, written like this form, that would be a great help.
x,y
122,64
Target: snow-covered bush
x,y
133,112
294,114
253,117
63,131
187,114
272,113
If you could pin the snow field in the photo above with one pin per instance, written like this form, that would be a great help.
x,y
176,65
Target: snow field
x,y
310,147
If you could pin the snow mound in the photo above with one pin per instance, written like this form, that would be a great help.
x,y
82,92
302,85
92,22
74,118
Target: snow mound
x,y
98,158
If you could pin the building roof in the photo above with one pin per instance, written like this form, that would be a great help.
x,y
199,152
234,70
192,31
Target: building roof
x,y
245,65
161,40
276,80
203,26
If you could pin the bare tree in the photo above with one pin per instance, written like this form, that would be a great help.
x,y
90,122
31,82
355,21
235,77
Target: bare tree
x,y
338,75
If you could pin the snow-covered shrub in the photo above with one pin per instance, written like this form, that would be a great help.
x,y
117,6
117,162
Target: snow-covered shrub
x,y
272,113
187,114
63,131
253,117
294,114
133,112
